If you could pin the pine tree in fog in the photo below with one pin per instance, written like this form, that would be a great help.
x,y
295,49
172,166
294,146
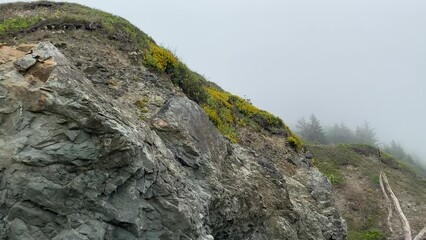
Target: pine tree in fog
x,y
365,134
311,130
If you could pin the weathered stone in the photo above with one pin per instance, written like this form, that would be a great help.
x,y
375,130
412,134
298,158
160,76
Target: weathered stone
x,y
25,47
188,132
309,155
158,101
42,70
78,163
70,235
25,63
45,50
18,230
9,54
3,92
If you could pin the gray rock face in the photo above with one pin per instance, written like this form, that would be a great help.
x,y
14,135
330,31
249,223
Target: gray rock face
x,y
25,63
76,165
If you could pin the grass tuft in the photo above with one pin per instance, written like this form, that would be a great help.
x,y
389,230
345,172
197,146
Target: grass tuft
x,y
17,24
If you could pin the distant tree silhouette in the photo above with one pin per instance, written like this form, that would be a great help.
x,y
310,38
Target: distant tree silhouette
x,y
311,130
365,134
395,149
339,133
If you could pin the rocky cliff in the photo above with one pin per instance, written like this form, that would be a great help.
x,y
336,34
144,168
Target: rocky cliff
x,y
94,144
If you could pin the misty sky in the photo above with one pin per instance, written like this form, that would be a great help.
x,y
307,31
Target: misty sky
x,y
343,60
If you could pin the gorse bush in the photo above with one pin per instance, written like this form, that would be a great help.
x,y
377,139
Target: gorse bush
x,y
212,114
219,110
159,59
228,112
263,118
295,142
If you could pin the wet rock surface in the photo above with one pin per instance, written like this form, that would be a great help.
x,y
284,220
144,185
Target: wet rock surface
x,y
77,161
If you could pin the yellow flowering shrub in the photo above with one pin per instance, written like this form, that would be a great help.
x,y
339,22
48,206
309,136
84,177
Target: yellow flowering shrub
x,y
228,111
160,59
212,114
219,96
295,142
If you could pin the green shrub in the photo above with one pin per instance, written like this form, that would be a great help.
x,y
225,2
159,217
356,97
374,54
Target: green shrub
x,y
373,234
192,85
223,120
17,24
159,59
228,111
375,180
212,114
335,179
141,105
328,161
295,142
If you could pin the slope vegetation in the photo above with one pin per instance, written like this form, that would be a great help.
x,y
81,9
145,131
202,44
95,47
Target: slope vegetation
x,y
354,171
228,112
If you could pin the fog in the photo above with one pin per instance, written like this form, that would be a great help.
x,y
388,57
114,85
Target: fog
x,y
344,61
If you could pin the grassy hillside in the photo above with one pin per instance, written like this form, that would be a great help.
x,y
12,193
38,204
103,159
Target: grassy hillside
x,y
354,172
228,112
352,169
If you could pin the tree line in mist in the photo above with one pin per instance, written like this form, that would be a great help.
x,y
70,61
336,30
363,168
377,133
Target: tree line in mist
x,y
311,131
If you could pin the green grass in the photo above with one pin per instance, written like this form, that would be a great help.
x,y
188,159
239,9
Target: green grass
x,y
371,234
68,14
329,159
375,180
363,164
17,24
332,161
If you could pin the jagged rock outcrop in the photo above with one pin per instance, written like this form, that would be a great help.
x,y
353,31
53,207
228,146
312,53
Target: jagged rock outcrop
x,y
80,160
76,165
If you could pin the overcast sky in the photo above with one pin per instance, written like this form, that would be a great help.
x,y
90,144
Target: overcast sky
x,y
343,60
